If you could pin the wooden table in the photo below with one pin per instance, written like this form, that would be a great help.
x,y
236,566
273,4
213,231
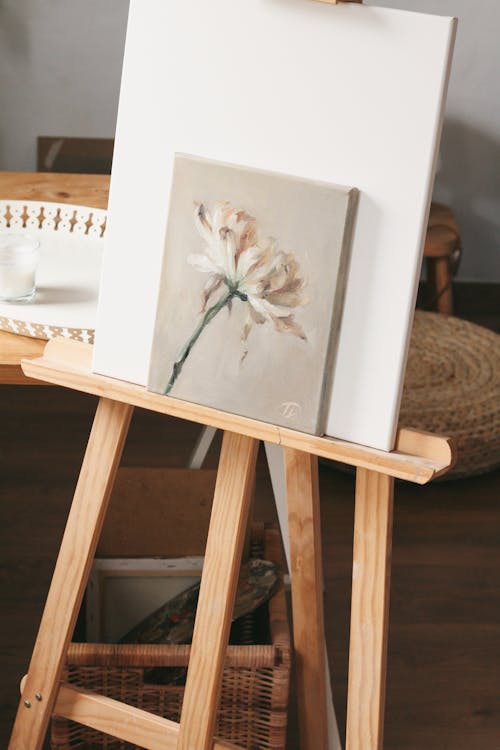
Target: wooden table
x,y
78,189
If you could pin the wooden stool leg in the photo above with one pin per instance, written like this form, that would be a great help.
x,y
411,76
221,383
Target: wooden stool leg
x,y
369,610
226,537
71,572
443,281
440,283
306,571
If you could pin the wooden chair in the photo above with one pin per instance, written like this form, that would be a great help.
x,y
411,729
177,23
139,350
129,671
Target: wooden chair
x,y
74,155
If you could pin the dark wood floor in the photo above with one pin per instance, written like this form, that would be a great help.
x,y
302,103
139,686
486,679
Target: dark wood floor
x,y
444,641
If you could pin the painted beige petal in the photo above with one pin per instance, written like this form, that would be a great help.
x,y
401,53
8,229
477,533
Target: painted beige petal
x,y
242,224
244,335
257,304
248,237
218,218
247,259
214,282
252,316
217,251
203,263
203,223
282,282
259,274
228,248
256,316
264,308
289,325
292,284
286,299
280,311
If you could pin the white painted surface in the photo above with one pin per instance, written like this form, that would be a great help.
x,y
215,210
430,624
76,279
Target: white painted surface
x,y
350,94
121,592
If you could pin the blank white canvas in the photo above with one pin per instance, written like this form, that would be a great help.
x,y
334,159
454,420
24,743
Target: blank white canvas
x,y
343,93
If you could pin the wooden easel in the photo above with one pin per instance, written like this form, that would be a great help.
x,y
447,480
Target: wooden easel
x,y
419,457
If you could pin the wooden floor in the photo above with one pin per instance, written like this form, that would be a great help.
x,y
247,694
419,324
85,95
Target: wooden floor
x,y
444,641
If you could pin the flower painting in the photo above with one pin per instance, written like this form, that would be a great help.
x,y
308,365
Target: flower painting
x,y
241,266
251,291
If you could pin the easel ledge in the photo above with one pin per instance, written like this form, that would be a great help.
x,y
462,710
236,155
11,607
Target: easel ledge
x,y
419,456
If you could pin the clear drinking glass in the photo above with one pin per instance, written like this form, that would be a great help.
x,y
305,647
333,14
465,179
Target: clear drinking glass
x,y
19,255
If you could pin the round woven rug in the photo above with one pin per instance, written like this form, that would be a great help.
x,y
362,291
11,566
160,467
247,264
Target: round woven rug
x,y
452,388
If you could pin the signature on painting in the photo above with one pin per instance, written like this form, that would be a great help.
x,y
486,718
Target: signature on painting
x,y
290,409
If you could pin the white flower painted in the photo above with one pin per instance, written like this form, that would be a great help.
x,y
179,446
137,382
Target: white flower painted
x,y
253,269
246,267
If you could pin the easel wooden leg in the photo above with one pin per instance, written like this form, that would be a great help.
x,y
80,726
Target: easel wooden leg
x,y
276,463
226,536
369,610
307,597
70,576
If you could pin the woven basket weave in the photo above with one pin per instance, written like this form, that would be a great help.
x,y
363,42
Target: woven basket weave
x,y
254,700
452,387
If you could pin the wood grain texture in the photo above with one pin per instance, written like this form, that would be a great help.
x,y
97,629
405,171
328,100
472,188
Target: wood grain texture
x,y
78,189
427,445
120,720
226,537
443,285
70,576
117,719
307,597
68,363
369,610
13,349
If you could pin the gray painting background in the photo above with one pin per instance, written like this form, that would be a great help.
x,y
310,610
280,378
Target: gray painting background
x,y
312,220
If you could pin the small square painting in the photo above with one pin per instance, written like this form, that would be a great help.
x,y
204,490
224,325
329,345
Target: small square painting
x,y
251,291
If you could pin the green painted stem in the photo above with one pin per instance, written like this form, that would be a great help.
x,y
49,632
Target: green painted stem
x,y
209,315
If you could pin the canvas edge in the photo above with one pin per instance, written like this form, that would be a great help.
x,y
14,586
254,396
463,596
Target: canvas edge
x,y
389,441
410,313
353,196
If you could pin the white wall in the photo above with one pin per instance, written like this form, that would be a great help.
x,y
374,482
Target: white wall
x,y
469,176
60,68
60,63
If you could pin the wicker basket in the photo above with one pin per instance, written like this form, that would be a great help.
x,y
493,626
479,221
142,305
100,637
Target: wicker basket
x,y
254,700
